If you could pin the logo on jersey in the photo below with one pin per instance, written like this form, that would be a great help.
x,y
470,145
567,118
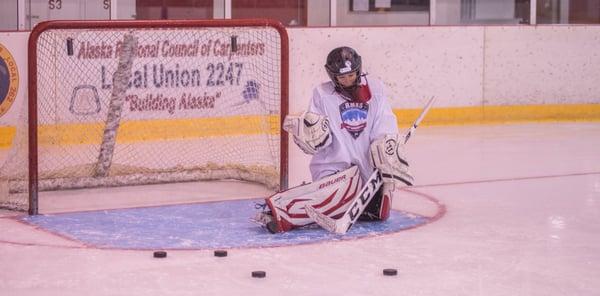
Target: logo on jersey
x,y
9,80
354,117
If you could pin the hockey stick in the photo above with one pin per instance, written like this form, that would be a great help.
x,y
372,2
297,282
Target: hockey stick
x,y
412,129
362,199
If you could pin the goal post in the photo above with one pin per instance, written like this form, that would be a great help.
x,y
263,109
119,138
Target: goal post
x,y
118,103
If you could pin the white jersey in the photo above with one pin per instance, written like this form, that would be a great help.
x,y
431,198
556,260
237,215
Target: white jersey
x,y
353,126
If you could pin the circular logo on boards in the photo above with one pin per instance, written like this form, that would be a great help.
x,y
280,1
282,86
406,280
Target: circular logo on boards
x,y
9,80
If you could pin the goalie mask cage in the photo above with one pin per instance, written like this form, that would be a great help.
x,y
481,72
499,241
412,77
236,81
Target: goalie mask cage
x,y
117,103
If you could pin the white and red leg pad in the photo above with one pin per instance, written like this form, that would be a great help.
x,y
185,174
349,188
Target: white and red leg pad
x,y
330,195
379,207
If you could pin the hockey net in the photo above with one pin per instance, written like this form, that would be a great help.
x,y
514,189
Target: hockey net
x,y
145,102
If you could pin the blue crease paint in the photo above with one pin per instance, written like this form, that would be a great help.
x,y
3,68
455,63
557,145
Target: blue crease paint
x,y
213,225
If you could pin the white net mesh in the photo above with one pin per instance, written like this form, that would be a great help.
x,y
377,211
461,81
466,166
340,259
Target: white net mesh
x,y
13,164
193,108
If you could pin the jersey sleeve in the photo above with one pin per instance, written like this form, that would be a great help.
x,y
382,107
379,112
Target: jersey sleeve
x,y
385,121
316,102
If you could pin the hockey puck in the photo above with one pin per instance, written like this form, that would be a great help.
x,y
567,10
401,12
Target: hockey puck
x,y
160,254
259,274
220,253
390,271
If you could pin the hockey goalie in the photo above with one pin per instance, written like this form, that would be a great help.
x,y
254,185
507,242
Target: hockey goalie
x,y
352,135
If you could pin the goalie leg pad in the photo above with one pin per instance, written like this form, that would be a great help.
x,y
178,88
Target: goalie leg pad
x,y
355,208
379,207
331,195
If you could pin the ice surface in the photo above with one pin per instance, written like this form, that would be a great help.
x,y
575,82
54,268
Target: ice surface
x,y
523,218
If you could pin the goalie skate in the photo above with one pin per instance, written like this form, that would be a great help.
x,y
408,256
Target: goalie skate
x,y
265,219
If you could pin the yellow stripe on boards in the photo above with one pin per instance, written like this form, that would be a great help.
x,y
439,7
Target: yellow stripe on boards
x,y
501,114
151,130
160,130
582,112
7,134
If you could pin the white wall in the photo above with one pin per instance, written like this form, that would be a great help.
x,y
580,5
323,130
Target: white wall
x,y
542,65
461,66
414,62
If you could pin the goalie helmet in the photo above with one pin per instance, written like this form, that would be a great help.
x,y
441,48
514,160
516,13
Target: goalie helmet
x,y
341,61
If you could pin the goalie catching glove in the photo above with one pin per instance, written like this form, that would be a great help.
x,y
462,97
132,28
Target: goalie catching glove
x,y
387,155
310,130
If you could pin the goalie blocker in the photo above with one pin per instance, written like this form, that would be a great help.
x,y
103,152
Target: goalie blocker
x,y
334,197
387,155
